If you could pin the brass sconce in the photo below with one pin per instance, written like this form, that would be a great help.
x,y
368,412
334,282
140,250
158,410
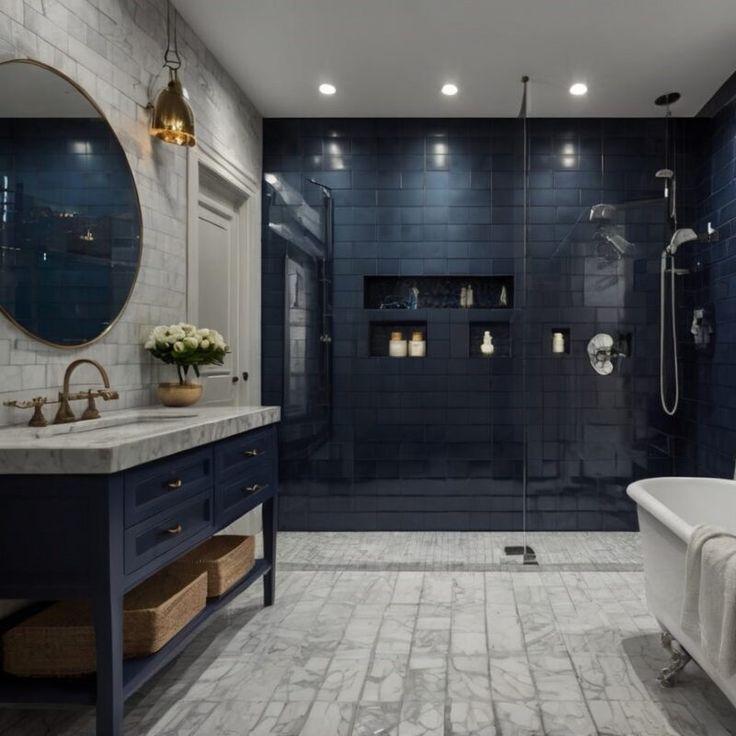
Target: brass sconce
x,y
172,119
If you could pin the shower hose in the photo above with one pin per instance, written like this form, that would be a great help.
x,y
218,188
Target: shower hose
x,y
670,410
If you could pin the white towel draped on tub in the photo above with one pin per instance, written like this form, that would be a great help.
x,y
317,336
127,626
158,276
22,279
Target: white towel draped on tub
x,y
709,607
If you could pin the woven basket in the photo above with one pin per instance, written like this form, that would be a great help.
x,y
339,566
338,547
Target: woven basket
x,y
60,641
226,558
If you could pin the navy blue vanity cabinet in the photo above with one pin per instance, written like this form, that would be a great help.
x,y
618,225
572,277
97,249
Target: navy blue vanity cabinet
x,y
97,536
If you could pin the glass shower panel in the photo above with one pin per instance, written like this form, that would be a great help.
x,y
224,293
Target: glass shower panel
x,y
298,226
593,425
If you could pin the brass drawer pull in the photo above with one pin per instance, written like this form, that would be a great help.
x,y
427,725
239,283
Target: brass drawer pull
x,y
255,488
175,530
255,452
174,484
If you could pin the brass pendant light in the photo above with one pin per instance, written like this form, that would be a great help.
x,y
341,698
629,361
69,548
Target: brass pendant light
x,y
172,119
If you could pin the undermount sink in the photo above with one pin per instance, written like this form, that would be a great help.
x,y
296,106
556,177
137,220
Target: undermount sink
x,y
104,422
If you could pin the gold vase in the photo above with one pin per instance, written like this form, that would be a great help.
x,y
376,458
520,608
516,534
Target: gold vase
x,y
179,394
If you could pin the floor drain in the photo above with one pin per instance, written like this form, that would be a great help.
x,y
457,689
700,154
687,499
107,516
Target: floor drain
x,y
529,555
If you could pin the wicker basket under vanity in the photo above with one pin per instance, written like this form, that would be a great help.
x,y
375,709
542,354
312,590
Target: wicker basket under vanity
x,y
226,558
60,640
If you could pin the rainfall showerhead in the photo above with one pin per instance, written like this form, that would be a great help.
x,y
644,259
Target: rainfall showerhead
x,y
602,211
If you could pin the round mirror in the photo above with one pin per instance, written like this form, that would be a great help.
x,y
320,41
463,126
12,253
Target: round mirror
x,y
70,222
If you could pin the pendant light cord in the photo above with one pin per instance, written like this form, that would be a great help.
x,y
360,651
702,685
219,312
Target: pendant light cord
x,y
172,60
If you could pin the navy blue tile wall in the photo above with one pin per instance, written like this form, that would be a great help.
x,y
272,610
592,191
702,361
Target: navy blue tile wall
x,y
709,382
438,443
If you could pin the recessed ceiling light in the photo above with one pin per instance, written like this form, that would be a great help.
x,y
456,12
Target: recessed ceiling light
x,y
449,89
327,89
579,89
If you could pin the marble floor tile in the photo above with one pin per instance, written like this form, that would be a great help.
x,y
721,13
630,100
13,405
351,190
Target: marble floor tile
x,y
511,679
422,718
377,719
231,718
518,719
468,678
567,718
474,718
328,718
386,679
428,634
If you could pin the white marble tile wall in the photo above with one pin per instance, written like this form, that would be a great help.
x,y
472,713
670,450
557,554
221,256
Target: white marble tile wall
x,y
114,50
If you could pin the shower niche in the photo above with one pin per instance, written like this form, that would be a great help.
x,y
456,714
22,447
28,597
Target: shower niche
x,y
438,292
381,333
500,333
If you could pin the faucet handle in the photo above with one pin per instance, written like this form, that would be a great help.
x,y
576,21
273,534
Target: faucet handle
x,y
91,412
36,403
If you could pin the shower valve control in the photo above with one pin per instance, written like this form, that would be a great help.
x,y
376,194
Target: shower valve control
x,y
603,350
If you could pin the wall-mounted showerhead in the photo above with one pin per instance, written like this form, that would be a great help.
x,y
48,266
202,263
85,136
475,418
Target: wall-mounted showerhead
x,y
680,237
602,211
326,190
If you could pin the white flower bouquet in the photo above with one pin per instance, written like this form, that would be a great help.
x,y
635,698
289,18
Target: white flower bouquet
x,y
186,346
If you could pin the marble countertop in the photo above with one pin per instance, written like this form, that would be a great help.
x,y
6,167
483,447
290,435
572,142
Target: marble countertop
x,y
123,439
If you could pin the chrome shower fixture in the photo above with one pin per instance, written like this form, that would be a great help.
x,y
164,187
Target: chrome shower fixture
x,y
680,237
602,211
669,176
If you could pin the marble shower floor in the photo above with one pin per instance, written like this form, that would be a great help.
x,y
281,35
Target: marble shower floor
x,y
424,634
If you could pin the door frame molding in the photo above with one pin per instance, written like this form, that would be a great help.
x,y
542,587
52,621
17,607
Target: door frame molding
x,y
245,188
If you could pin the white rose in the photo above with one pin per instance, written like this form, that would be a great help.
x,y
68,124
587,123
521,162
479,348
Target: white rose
x,y
159,333
204,344
149,344
203,332
178,346
191,342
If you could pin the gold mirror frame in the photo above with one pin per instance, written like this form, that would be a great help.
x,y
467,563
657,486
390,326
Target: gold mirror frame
x,y
122,309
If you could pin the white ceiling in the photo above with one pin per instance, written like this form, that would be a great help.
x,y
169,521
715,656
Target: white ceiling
x,y
390,57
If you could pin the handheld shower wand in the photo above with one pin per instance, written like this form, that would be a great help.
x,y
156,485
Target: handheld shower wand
x,y
679,237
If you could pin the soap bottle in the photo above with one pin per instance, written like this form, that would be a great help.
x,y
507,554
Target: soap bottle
x,y
558,342
487,347
417,345
397,345
469,297
413,298
503,299
463,297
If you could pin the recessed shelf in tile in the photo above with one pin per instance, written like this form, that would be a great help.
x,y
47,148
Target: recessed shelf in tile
x,y
380,335
500,333
437,292
565,332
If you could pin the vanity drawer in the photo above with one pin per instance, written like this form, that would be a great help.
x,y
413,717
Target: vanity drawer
x,y
160,485
240,496
163,533
241,454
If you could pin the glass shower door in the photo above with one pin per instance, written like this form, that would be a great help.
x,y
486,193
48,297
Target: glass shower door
x,y
298,226
592,367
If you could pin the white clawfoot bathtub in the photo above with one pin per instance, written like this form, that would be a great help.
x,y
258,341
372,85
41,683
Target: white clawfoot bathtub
x,y
669,509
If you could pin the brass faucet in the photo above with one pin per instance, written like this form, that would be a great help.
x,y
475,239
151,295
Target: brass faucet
x,y
65,413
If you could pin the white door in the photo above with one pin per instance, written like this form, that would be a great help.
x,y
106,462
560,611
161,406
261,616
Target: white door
x,y
217,298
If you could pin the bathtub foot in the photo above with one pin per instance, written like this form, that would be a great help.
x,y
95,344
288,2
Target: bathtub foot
x,y
677,662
